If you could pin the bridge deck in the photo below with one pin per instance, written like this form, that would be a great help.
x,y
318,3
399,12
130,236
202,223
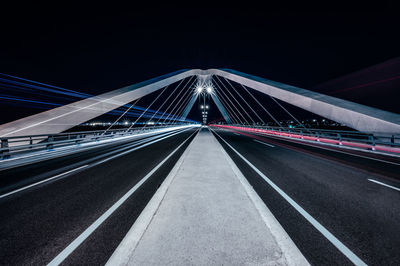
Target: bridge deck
x,y
205,213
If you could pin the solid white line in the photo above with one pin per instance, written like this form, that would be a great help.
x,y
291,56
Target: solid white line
x,y
291,252
122,253
383,184
272,146
89,145
42,181
97,163
328,235
82,237
139,147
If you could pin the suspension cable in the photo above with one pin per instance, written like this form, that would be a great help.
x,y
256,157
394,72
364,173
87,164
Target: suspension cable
x,y
276,121
158,96
244,100
231,103
289,113
164,116
180,99
133,104
244,110
231,117
223,105
230,109
169,96
181,109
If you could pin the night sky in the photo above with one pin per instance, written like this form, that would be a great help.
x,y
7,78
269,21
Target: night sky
x,y
97,48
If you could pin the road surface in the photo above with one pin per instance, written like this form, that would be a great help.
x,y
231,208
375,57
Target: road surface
x,y
335,188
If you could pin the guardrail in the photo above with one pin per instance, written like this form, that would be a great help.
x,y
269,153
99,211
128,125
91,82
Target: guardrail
x,y
380,141
14,145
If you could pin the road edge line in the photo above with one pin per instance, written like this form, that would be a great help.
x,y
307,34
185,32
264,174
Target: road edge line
x,y
42,181
88,231
328,235
289,249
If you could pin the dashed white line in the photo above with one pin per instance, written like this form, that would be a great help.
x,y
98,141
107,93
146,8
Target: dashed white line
x,y
306,143
272,146
328,235
43,181
383,184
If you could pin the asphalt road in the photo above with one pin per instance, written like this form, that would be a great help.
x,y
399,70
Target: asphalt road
x,y
333,187
38,223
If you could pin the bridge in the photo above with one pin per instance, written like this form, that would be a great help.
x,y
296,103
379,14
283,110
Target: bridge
x,y
165,189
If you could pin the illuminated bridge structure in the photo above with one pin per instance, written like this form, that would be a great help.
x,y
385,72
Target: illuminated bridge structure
x,y
362,118
172,191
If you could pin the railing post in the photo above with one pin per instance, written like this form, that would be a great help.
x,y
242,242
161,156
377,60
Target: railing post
x,y
372,140
50,146
4,145
339,138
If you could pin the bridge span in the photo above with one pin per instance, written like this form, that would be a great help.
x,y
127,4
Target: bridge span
x,y
168,190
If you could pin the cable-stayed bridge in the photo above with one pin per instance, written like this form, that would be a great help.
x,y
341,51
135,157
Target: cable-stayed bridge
x,y
169,186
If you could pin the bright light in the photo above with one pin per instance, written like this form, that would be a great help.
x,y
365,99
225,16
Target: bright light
x,y
126,123
202,106
209,89
199,89
206,106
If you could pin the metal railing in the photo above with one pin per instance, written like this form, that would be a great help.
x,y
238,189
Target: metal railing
x,y
340,137
14,145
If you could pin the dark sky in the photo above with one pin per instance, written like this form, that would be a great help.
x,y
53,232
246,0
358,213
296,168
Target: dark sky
x,y
97,48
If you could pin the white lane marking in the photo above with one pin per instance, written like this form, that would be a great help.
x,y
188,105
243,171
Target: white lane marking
x,y
328,235
237,134
42,181
82,237
99,162
303,142
89,145
383,184
272,146
139,147
292,254
122,253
